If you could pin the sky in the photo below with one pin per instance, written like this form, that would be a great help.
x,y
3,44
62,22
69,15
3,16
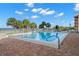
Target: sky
x,y
55,13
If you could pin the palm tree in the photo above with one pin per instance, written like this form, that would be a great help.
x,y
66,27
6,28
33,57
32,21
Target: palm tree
x,y
33,25
12,22
19,24
26,23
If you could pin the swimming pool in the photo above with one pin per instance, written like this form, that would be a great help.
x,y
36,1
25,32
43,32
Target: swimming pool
x,y
44,38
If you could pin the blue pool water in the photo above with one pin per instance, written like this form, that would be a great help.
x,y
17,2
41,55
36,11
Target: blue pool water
x,y
49,38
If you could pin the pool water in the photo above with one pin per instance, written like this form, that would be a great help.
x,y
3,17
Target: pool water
x,y
45,38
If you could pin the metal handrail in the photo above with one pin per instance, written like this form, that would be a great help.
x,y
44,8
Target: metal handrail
x,y
56,37
50,36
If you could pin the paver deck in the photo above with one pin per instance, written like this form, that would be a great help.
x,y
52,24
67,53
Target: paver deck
x,y
13,47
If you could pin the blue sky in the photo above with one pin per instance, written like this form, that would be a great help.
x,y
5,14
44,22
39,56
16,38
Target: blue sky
x,y
56,13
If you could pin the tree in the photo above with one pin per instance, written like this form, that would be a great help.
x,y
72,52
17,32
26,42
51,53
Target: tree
x,y
57,27
12,22
19,24
33,25
48,25
26,23
42,25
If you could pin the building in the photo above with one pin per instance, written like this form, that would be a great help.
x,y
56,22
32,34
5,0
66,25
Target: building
x,y
76,22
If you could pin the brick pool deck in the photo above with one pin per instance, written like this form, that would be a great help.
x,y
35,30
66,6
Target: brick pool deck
x,y
13,47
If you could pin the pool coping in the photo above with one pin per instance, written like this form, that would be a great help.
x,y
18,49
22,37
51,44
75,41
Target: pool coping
x,y
54,45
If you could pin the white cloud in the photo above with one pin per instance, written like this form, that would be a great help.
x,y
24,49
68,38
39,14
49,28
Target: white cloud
x,y
30,5
39,9
26,9
60,14
50,12
76,7
19,12
34,17
34,10
43,11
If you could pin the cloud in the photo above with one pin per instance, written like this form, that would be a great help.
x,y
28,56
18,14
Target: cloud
x,y
47,12
26,9
43,11
34,17
19,12
76,7
60,14
30,5
34,10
